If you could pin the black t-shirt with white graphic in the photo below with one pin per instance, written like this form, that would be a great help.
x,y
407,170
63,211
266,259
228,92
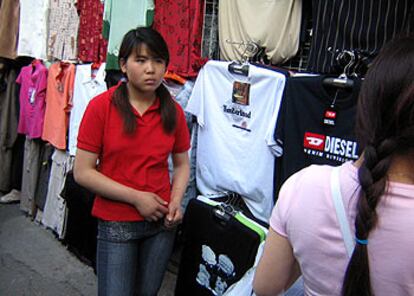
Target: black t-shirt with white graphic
x,y
310,131
217,251
363,25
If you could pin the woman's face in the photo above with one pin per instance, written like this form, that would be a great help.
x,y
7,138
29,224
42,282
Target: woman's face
x,y
144,71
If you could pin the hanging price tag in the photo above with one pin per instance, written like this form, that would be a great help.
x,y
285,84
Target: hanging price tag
x,y
329,117
32,94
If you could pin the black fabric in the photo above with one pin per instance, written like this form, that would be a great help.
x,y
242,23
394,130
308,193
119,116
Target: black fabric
x,y
81,226
112,77
45,156
304,103
363,26
17,162
273,68
9,116
203,229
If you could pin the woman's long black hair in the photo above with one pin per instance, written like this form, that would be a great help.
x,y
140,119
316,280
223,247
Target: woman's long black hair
x,y
385,128
133,40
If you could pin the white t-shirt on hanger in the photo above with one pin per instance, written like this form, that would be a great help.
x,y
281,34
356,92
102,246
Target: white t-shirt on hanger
x,y
237,116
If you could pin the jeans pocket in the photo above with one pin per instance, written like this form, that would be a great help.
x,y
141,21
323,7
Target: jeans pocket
x,y
115,231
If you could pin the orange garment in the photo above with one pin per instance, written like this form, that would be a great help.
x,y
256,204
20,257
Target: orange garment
x,y
175,77
59,94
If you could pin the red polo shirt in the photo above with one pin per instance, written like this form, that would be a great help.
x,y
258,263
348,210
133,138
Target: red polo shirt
x,y
139,160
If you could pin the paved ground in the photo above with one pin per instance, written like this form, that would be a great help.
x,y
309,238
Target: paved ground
x,y
34,263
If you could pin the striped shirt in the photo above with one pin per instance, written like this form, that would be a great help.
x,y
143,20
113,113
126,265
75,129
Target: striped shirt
x,y
364,25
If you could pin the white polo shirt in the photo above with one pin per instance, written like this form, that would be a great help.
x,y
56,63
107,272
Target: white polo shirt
x,y
235,139
86,87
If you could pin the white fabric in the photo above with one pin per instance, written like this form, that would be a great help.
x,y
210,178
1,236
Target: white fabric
x,y
33,28
340,212
274,25
86,87
230,158
54,214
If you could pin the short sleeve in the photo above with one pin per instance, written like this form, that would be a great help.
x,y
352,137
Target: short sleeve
x,y
91,130
279,134
284,204
182,135
195,104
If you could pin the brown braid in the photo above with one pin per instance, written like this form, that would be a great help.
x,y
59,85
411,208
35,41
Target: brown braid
x,y
372,176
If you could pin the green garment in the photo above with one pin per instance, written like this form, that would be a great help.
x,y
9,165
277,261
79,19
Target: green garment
x,y
119,18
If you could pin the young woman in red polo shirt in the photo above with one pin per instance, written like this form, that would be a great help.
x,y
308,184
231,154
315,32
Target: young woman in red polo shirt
x,y
130,131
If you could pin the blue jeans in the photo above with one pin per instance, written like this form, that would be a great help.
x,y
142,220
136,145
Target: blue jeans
x,y
132,257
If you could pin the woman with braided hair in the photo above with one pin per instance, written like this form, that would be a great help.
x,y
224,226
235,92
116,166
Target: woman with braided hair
x,y
377,191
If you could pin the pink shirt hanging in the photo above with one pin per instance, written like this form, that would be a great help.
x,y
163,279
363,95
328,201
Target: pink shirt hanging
x,y
33,82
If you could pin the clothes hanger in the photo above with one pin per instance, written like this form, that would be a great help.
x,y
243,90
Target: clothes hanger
x,y
239,68
343,80
242,67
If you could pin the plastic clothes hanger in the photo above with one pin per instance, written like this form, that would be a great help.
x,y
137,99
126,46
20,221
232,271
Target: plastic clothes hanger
x,y
242,67
343,80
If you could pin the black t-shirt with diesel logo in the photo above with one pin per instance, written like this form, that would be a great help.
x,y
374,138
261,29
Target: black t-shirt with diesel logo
x,y
315,126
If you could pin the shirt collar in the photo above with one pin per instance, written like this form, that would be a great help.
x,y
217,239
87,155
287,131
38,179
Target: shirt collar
x,y
99,77
153,107
35,66
61,69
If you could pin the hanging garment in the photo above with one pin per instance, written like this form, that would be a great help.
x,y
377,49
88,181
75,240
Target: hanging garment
x,y
81,226
119,18
301,133
33,82
236,115
17,163
55,210
9,114
218,248
274,25
182,95
33,28
45,159
30,174
180,23
63,30
86,87
364,25
58,103
91,44
9,27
